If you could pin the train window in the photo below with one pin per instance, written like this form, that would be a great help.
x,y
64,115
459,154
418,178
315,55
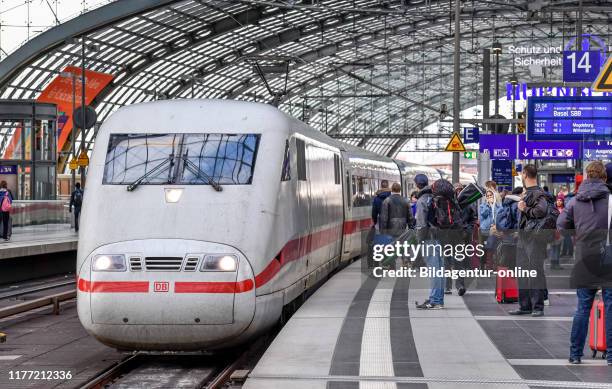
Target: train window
x,y
300,148
225,159
132,156
286,173
362,192
337,175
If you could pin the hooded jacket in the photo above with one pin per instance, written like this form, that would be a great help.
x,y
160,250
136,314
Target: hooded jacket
x,y
587,213
424,197
381,195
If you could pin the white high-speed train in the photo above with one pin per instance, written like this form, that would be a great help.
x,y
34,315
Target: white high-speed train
x,y
202,219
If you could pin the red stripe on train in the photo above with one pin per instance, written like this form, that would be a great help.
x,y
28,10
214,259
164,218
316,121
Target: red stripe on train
x,y
113,286
213,287
293,250
353,226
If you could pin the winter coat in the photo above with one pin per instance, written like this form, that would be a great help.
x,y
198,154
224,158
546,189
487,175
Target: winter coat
x,y
587,213
536,201
424,197
508,217
395,215
487,214
381,195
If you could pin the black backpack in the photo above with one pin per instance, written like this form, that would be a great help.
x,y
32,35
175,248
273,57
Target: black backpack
x,y
78,198
444,212
544,227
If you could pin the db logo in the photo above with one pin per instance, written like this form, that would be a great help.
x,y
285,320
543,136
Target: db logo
x,y
161,286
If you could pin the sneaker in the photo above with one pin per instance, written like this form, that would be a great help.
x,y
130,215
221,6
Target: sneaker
x,y
537,313
461,291
519,312
448,291
577,361
428,305
547,302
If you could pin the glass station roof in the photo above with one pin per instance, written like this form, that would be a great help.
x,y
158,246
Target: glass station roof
x,y
373,73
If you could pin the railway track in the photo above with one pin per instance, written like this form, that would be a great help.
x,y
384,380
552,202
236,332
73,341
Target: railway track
x,y
197,370
167,371
32,295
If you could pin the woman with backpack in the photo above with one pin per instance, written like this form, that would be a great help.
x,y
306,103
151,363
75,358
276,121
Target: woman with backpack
x,y
6,203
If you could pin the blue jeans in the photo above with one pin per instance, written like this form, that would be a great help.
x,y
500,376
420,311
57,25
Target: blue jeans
x,y
580,326
435,261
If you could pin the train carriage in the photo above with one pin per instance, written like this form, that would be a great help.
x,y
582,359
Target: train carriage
x,y
204,218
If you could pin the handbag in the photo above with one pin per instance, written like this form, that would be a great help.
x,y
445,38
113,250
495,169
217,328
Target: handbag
x,y
606,247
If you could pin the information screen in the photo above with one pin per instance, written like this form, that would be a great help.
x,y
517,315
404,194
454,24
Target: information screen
x,y
569,118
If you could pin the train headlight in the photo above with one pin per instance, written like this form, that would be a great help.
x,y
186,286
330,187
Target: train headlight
x,y
222,262
173,195
115,262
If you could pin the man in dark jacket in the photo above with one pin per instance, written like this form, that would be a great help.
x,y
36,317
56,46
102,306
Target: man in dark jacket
x,y
395,213
76,201
609,175
531,250
469,216
587,213
381,195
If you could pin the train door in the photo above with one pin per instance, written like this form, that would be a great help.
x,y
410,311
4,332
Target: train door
x,y
347,201
303,201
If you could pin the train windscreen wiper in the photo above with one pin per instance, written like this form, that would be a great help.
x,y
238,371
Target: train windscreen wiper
x,y
157,169
195,170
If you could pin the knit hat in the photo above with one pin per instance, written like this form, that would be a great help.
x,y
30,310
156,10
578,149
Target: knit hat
x,y
421,180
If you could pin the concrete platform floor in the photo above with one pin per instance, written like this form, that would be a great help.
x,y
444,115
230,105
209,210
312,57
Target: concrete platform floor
x,y
357,332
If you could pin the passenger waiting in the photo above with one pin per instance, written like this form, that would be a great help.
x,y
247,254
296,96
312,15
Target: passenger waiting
x,y
6,202
531,245
395,213
381,195
487,213
588,214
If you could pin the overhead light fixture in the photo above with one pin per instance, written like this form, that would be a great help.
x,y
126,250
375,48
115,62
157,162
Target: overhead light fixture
x,y
496,47
513,80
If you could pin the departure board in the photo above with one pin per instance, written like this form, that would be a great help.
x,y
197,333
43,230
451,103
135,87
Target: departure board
x,y
569,118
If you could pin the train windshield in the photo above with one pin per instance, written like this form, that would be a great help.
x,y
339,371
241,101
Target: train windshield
x,y
189,159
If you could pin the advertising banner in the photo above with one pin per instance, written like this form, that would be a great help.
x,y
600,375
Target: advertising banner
x,y
60,92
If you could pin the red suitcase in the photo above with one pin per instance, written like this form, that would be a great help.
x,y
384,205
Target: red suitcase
x,y
597,329
506,288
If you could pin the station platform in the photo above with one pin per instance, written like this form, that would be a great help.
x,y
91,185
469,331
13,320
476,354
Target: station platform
x,y
363,332
39,240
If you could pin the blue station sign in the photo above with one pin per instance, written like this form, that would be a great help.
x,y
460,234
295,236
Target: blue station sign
x,y
597,150
569,118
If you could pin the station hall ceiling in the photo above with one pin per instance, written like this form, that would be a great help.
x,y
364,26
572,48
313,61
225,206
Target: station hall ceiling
x,y
371,72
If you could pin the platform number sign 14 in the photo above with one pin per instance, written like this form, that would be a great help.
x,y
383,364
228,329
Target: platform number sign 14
x,y
581,66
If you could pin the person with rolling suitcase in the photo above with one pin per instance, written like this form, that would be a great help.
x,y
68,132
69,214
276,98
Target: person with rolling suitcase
x,y
507,221
589,213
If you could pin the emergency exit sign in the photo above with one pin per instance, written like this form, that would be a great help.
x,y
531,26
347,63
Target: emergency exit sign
x,y
469,155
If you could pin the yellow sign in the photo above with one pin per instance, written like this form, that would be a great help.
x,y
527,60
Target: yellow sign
x,y
514,173
455,144
603,82
73,165
83,159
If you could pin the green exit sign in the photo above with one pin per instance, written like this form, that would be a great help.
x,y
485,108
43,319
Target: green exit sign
x,y
469,155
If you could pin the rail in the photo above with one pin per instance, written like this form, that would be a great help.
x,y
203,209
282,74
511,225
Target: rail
x,y
54,299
